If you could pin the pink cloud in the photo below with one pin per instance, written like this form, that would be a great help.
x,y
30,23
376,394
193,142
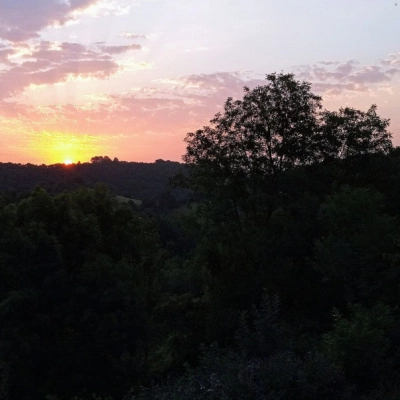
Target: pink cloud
x,y
135,36
5,52
333,77
391,60
370,74
24,19
48,64
210,91
171,110
120,49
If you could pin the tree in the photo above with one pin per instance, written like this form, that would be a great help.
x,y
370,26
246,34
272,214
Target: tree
x,y
279,126
101,159
362,345
78,274
351,132
348,253
268,131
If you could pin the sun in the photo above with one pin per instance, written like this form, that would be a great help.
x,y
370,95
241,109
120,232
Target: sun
x,y
52,147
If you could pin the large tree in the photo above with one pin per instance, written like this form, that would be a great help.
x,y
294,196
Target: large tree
x,y
269,130
280,125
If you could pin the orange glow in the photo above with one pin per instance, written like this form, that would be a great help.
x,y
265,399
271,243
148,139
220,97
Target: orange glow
x,y
56,147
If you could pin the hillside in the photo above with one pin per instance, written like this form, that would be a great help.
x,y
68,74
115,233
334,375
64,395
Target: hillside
x,y
129,179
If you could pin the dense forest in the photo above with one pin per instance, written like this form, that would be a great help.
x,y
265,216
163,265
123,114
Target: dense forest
x,y
144,181
275,275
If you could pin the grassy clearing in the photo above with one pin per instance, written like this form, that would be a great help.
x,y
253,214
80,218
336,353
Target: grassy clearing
x,y
123,199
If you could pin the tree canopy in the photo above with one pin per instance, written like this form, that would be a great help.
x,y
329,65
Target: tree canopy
x,y
280,125
350,132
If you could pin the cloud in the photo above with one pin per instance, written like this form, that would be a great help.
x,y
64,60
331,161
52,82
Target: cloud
x,y
120,49
214,88
172,107
133,65
370,74
21,20
334,77
144,123
5,53
47,63
393,59
103,8
135,36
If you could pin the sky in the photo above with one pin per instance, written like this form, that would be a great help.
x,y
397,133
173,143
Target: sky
x,y
129,79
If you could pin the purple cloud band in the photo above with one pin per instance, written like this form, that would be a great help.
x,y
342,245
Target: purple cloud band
x,y
47,63
24,19
334,77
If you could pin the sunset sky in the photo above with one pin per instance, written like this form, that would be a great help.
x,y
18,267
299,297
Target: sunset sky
x,y
128,79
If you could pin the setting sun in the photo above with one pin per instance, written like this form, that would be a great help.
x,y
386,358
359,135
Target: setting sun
x,y
52,147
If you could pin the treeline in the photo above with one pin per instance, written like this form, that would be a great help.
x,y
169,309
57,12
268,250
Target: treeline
x,y
142,181
278,280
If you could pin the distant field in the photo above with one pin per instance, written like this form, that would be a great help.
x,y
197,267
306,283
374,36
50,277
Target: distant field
x,y
123,199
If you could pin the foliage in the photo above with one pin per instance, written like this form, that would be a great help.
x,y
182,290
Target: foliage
x,y
363,346
266,132
276,374
70,298
276,127
349,254
350,132
144,181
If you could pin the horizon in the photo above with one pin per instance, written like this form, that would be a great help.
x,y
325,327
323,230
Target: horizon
x,y
79,162
132,78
